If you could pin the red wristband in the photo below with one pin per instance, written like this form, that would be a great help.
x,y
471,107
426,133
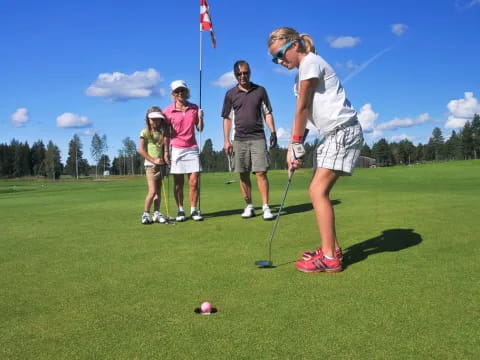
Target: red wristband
x,y
296,138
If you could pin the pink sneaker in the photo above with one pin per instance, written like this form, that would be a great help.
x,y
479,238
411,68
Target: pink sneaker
x,y
319,264
308,255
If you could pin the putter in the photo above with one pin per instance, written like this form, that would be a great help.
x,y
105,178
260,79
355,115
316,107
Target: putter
x,y
268,263
230,160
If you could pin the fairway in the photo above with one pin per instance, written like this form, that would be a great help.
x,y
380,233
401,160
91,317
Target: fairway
x,y
81,278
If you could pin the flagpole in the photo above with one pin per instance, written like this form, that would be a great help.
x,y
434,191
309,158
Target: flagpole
x,y
200,132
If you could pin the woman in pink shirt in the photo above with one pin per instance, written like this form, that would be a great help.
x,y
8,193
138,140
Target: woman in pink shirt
x,y
184,117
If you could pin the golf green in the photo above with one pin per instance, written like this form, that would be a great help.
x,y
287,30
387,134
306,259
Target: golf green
x,y
82,278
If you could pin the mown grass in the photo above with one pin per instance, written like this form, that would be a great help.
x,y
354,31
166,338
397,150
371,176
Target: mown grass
x,y
82,278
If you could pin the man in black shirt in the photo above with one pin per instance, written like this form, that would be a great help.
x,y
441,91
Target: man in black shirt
x,y
247,104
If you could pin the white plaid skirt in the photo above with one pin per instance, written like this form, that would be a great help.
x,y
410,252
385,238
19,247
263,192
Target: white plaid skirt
x,y
340,149
185,160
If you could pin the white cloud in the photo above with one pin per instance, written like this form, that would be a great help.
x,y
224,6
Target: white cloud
x,y
367,118
373,136
399,29
397,123
69,120
122,87
343,41
20,117
401,137
283,134
227,80
462,110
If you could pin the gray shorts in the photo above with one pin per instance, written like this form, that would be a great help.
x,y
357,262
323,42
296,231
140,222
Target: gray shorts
x,y
250,156
340,149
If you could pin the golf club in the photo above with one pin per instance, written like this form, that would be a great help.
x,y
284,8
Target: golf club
x,y
268,263
230,166
170,220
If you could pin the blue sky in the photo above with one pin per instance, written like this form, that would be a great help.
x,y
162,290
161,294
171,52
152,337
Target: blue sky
x,y
96,66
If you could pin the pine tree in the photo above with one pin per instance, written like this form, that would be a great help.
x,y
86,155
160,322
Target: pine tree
x,y
366,151
74,164
406,151
6,160
207,157
467,140
382,152
37,153
21,159
476,136
53,166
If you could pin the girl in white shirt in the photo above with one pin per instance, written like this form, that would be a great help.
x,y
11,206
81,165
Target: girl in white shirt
x,y
321,102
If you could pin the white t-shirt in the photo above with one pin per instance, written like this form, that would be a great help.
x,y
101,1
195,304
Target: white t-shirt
x,y
330,106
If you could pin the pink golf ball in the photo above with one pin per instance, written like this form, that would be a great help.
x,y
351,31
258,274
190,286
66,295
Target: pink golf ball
x,y
206,307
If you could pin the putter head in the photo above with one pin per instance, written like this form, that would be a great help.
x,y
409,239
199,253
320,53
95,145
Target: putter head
x,y
229,182
264,264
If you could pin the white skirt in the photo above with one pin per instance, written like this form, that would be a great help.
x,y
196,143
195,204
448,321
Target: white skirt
x,y
185,160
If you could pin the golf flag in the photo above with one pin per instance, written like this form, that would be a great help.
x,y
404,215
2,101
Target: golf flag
x,y
206,21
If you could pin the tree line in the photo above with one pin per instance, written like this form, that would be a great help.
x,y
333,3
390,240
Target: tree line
x,y
463,145
18,159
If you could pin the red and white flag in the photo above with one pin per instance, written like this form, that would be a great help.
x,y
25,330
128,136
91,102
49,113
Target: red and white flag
x,y
206,21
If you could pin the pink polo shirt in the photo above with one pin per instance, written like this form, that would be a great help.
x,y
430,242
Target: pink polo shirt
x,y
183,125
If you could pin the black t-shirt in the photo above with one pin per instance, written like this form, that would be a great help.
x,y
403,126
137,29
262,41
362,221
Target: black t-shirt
x,y
249,109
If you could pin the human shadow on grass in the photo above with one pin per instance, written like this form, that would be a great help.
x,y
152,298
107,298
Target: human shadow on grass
x,y
390,240
299,208
287,210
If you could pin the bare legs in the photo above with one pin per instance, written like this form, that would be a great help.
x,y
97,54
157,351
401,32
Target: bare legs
x,y
193,188
246,186
153,195
319,190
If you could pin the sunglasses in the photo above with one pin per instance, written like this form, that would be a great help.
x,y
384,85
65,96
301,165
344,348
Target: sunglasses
x,y
179,90
281,53
244,73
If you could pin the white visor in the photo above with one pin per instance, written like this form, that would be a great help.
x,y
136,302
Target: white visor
x,y
156,115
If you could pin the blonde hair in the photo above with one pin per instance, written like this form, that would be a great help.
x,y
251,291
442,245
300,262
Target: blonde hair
x,y
286,34
147,123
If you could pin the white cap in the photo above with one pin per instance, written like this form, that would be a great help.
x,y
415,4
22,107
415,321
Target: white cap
x,y
156,115
178,84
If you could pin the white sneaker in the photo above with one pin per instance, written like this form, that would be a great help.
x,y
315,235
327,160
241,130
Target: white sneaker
x,y
196,216
159,218
267,214
146,219
248,212
181,216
